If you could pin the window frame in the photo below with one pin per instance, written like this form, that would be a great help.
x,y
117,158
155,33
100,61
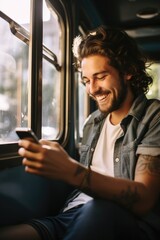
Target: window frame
x,y
11,158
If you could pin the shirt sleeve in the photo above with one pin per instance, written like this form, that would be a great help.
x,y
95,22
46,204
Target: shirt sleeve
x,y
150,144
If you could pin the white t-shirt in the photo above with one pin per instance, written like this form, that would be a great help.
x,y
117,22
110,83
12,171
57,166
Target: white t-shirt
x,y
102,160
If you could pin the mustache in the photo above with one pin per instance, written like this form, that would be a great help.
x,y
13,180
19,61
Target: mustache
x,y
99,92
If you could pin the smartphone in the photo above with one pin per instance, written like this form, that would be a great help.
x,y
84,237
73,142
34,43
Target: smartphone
x,y
26,133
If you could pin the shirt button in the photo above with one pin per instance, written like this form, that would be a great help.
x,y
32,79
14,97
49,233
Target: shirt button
x,y
92,149
117,160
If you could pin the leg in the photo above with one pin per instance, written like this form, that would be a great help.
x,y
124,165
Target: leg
x,y
100,219
48,228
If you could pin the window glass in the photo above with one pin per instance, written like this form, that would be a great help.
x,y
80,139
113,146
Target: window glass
x,y
81,108
154,71
83,105
18,10
51,84
14,75
13,68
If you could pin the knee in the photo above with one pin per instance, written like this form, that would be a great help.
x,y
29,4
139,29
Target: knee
x,y
102,206
101,210
99,218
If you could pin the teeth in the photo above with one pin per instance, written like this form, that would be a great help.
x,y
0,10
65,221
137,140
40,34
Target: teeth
x,y
100,98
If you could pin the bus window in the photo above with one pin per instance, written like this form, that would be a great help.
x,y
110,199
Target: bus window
x,y
13,67
81,108
17,10
14,70
51,80
154,71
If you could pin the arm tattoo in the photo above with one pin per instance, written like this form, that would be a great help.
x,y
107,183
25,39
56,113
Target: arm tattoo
x,y
149,164
127,198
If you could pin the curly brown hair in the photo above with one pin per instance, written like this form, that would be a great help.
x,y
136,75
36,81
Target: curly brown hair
x,y
122,51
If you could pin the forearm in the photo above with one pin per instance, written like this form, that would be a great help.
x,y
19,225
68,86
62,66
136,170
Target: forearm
x,y
130,194
139,195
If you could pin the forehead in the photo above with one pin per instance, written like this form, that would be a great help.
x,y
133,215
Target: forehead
x,y
94,64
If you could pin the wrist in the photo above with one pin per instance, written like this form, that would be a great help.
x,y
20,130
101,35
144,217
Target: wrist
x,y
81,176
85,179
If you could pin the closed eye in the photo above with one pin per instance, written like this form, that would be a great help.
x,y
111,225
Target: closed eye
x,y
100,77
96,77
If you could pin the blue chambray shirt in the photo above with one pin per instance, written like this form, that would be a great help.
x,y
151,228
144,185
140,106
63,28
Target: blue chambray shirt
x,y
141,128
141,135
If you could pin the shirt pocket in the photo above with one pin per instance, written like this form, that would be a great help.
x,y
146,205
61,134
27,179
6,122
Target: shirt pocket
x,y
84,154
129,159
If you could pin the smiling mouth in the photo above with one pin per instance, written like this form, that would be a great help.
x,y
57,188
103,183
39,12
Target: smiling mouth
x,y
101,98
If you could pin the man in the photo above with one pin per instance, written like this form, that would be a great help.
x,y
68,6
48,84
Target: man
x,y
118,179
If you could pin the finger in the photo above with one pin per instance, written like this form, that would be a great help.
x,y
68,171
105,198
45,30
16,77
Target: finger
x,y
29,145
33,170
32,156
46,147
45,142
52,144
32,164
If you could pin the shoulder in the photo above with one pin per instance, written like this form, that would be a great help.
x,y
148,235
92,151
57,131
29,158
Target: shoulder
x,y
152,113
154,102
142,106
153,107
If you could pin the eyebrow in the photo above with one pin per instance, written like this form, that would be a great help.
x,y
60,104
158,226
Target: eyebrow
x,y
95,74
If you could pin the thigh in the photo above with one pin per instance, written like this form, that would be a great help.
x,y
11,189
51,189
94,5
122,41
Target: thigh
x,y
48,228
101,220
54,227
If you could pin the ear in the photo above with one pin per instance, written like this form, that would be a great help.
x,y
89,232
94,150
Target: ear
x,y
127,76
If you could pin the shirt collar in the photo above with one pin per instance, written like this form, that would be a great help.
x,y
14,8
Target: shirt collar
x,y
138,107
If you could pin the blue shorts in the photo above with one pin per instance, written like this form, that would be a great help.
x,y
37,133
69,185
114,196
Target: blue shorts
x,y
54,227
97,220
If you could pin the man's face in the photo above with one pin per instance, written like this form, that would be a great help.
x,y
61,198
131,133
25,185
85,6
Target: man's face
x,y
103,83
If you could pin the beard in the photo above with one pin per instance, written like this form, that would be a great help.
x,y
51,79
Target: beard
x,y
115,99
